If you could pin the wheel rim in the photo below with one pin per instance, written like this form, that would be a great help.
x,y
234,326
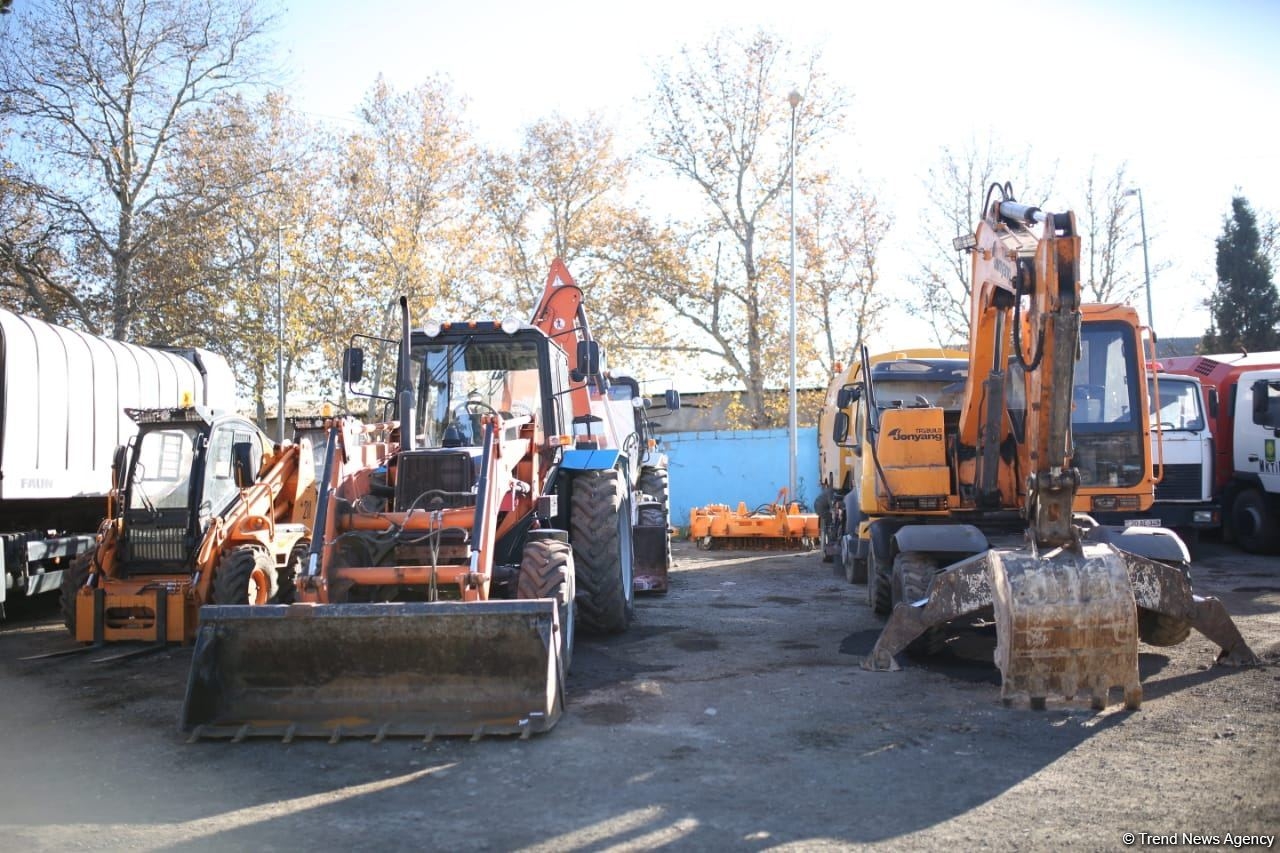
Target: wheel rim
x,y
259,586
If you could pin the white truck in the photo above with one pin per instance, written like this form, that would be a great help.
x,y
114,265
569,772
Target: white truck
x,y
62,399
1182,452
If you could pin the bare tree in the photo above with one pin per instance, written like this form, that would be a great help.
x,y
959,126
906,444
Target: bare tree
x,y
1110,236
721,122
957,186
410,166
100,89
840,234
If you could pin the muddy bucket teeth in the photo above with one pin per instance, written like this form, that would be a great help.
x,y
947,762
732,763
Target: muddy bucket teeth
x,y
375,670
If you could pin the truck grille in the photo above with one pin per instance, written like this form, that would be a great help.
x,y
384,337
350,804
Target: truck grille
x,y
1180,483
450,472
156,544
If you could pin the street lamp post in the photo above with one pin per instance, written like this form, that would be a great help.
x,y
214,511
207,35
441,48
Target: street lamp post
x,y
1146,269
279,345
794,100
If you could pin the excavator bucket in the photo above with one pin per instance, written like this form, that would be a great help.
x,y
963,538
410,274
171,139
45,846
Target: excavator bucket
x,y
375,670
1068,620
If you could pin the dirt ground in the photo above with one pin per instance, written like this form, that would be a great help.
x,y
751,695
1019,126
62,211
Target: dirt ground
x,y
733,715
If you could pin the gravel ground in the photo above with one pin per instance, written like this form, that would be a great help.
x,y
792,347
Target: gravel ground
x,y
733,715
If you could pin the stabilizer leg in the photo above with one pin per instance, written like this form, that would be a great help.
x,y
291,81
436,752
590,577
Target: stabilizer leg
x,y
1165,589
961,588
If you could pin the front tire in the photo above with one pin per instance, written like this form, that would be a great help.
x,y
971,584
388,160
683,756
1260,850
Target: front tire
x,y
879,584
74,577
246,575
1255,529
547,571
912,574
1161,629
600,532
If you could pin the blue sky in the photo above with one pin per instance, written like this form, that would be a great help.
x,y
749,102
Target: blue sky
x,y
1185,92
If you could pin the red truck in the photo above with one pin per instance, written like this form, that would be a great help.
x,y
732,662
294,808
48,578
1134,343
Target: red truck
x,y
1242,399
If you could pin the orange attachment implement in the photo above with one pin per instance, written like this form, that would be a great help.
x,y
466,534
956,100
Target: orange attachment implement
x,y
775,525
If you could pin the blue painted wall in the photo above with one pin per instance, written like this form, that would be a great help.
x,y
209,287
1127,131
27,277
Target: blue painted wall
x,y
725,467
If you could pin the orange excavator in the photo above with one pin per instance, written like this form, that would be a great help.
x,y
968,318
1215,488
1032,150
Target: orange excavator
x,y
458,545
1050,418
203,509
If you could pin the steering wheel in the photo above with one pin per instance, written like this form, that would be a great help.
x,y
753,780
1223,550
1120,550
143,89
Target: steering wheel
x,y
476,407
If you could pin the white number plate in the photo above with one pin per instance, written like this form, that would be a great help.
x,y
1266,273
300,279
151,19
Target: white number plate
x,y
1142,522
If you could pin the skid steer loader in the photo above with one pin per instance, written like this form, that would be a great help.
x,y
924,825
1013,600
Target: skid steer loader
x,y
203,509
458,546
982,505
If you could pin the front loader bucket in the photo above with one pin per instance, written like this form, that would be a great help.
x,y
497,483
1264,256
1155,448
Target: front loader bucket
x,y
334,670
652,546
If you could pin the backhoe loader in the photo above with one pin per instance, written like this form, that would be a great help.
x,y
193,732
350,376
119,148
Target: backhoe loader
x,y
981,505
203,509
458,546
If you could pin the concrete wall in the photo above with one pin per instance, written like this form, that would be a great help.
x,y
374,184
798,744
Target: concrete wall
x,y
726,467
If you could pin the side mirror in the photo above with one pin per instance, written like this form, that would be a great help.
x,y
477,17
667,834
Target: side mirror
x,y
119,461
672,399
847,396
840,429
1266,403
589,358
242,464
352,365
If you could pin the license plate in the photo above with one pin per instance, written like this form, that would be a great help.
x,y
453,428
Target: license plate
x,y
1142,522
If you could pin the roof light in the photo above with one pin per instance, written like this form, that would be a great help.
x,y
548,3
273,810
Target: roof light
x,y
510,325
180,414
432,329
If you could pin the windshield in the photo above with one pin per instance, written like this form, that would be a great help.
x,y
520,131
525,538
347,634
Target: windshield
x,y
908,382
1103,397
459,382
1178,407
162,471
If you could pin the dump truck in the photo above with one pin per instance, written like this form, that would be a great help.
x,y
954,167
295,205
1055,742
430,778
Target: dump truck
x,y
837,502
1243,428
63,395
203,509
457,547
976,508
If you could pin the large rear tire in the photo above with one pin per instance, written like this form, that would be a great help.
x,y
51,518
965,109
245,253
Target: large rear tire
x,y
73,578
246,575
912,574
600,532
546,571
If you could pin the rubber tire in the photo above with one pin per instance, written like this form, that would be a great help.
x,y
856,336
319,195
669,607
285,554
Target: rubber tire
x,y
1160,629
912,574
295,566
1255,530
656,483
855,569
546,571
651,515
231,581
74,577
822,508
879,585
600,532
